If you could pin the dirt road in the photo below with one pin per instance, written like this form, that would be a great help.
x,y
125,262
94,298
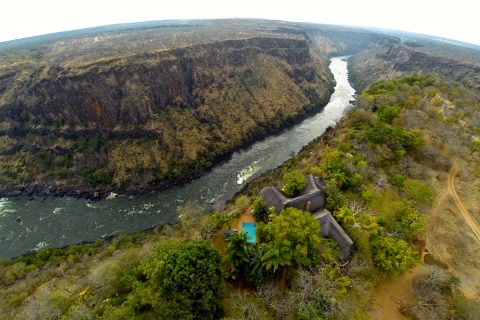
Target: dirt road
x,y
454,171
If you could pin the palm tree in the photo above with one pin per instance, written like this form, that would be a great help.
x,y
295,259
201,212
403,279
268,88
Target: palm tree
x,y
277,255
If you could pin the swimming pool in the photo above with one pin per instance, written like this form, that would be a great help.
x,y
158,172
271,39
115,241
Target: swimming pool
x,y
250,229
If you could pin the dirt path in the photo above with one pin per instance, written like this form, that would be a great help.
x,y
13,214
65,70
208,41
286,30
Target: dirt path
x,y
392,293
454,171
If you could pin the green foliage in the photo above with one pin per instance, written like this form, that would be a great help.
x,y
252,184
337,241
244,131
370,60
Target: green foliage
x,y
384,133
388,113
295,182
398,216
241,203
392,256
474,146
188,277
334,168
418,191
258,209
334,197
217,220
380,87
50,256
358,220
360,226
420,80
398,180
238,253
337,166
97,177
291,238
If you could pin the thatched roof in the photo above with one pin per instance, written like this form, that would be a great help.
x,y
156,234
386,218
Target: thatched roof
x,y
313,197
330,228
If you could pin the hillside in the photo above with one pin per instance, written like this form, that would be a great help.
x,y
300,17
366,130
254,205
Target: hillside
x,y
390,178
135,107
84,121
390,60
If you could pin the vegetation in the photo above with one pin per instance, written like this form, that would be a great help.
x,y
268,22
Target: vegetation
x,y
380,167
258,209
295,182
151,141
392,256
187,277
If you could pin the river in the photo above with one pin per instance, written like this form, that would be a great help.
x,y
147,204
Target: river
x,y
27,223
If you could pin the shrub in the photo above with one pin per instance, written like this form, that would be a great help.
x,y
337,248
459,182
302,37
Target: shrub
x,y
334,197
258,209
388,113
418,191
188,277
398,180
392,256
432,292
238,253
291,238
295,182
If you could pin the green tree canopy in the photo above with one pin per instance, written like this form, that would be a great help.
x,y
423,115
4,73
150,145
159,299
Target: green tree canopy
x,y
295,182
392,256
258,209
238,253
188,277
291,238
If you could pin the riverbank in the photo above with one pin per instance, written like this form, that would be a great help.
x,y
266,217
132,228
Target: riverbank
x,y
376,196
95,193
58,221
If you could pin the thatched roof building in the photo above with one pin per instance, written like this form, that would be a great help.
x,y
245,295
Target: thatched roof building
x,y
312,199
329,228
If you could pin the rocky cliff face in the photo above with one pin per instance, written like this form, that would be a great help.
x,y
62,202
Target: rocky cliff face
x,y
129,91
132,122
385,62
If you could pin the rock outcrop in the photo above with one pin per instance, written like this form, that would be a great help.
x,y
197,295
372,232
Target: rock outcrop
x,y
385,62
145,120
131,90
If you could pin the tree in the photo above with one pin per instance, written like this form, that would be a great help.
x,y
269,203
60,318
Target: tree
x,y
392,256
291,238
258,209
188,278
238,253
295,182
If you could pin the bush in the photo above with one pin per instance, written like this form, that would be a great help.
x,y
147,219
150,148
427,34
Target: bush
x,y
291,238
334,197
388,113
432,292
398,180
418,191
295,182
188,277
238,254
258,209
392,256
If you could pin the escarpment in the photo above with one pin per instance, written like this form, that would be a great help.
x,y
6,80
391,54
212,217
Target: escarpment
x,y
384,62
129,91
180,110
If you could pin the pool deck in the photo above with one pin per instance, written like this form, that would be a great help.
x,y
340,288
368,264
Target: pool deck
x,y
245,217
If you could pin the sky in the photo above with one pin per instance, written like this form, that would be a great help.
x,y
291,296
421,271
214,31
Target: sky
x,y
450,19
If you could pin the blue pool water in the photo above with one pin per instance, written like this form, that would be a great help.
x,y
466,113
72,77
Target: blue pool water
x,y
250,229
